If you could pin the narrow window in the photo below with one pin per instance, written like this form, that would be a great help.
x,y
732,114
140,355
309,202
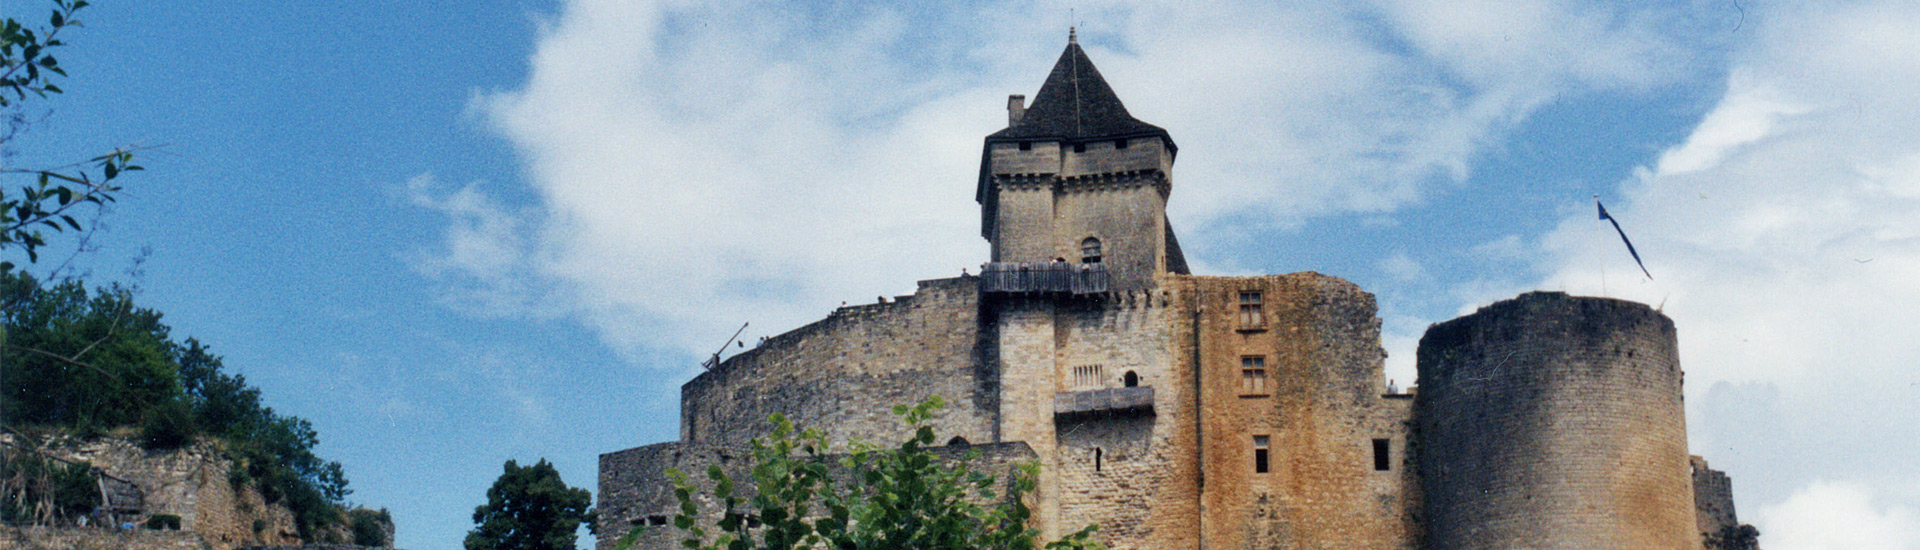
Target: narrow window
x,y
1259,454
1096,458
1120,143
1079,147
1381,458
1250,310
656,520
1090,250
1086,376
1130,380
1253,375
1026,146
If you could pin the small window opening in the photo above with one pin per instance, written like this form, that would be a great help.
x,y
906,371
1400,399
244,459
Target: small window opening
x,y
1026,146
1097,452
1130,380
656,520
957,441
1087,376
1259,454
1079,147
1120,143
1253,375
1381,458
1250,316
1090,251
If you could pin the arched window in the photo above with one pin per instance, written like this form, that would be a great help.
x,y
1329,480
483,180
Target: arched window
x,y
1090,251
957,441
1131,379
1096,458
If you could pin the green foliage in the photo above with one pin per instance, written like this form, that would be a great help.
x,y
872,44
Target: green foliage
x,y
27,68
163,521
167,426
1734,537
37,489
529,508
902,498
89,363
369,526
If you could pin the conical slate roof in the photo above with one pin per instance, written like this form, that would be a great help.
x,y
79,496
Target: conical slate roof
x,y
1076,104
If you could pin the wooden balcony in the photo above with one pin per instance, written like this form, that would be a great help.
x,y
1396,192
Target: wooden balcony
x,y
1044,278
1134,400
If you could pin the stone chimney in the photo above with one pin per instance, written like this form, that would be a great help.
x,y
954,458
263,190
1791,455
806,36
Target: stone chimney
x,y
1016,108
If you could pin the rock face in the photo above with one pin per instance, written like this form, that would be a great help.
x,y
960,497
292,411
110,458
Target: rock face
x,y
191,482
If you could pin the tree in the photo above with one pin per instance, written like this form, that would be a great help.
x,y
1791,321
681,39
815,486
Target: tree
x,y
27,70
907,497
529,508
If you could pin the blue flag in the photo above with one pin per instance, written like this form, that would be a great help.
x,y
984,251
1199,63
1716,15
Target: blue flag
x,y
1623,238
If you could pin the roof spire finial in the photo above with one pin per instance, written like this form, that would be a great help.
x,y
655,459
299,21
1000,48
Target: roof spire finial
x,y
1071,39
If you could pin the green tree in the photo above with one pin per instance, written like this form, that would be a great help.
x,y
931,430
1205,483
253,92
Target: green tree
x,y
529,508
907,497
27,71
87,362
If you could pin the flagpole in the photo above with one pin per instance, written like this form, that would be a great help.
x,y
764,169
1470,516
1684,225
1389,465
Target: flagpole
x,y
1599,235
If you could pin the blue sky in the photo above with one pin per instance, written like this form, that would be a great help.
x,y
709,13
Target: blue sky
x,y
452,234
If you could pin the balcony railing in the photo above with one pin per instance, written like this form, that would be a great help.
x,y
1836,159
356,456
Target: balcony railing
x,y
1138,399
1044,277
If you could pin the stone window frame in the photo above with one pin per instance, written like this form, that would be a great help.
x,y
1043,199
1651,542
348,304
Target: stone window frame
x,y
1253,376
1262,448
1089,377
1382,454
1092,251
1252,311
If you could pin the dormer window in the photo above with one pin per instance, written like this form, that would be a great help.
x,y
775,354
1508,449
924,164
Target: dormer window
x,y
1090,251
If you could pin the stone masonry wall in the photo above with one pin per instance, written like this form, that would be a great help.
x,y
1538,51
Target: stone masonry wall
x,y
1549,421
846,372
1320,408
1712,498
46,538
634,488
191,482
1127,471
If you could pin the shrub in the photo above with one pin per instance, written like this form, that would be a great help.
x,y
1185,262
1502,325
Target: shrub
x,y
163,521
167,426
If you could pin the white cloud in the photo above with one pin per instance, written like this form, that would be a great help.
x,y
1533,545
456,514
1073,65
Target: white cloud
x,y
1838,516
698,164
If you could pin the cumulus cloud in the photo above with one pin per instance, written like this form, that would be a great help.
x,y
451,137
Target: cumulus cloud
x,y
1839,516
701,164
1784,242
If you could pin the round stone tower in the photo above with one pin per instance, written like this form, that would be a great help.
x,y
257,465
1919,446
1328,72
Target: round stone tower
x,y
1552,421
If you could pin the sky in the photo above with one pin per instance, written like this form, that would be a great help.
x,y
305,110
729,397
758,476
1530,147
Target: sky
x,y
457,233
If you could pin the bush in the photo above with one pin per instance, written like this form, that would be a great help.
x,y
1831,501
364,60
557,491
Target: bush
x,y
167,426
163,521
36,489
370,527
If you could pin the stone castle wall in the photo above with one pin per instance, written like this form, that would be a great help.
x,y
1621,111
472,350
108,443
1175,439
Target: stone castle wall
x,y
1712,498
1320,408
1120,469
635,490
846,372
1550,421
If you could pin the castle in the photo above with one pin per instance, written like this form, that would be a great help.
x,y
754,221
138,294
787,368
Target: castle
x,y
1192,412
